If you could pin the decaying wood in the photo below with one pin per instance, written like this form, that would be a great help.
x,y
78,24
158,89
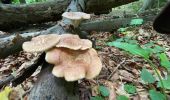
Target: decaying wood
x,y
12,44
104,6
48,87
108,25
31,13
48,11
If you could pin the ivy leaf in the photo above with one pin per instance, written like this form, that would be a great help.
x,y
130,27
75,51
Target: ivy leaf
x,y
147,76
104,91
164,61
122,97
166,83
130,89
137,21
132,48
155,95
96,98
4,94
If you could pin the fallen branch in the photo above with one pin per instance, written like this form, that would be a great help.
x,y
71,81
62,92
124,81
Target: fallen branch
x,y
25,14
13,43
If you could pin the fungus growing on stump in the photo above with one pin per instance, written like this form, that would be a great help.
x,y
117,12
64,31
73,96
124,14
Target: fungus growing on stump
x,y
76,17
73,58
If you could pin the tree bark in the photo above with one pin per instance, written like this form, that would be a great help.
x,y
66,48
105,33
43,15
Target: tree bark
x,y
48,87
12,16
25,14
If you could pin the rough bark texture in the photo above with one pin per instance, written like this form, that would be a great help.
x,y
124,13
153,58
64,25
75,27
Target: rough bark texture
x,y
48,11
49,87
12,16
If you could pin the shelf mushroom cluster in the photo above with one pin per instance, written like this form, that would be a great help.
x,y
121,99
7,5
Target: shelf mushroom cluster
x,y
73,58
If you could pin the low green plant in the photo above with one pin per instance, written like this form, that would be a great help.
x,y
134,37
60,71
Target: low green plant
x,y
131,89
145,53
103,92
122,97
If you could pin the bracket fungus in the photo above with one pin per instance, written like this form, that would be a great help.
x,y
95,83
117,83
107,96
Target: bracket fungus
x,y
73,58
74,42
76,17
41,43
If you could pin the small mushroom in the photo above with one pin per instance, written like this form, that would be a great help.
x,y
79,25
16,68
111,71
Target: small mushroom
x,y
41,43
76,17
74,64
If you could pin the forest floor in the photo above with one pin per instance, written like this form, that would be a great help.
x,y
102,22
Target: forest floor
x,y
122,73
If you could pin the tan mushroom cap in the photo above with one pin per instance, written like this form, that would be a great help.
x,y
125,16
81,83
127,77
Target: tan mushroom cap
x,y
74,42
65,56
75,71
58,71
53,56
41,43
75,64
69,41
95,66
76,15
86,44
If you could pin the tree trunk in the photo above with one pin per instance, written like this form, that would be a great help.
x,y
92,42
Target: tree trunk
x,y
48,11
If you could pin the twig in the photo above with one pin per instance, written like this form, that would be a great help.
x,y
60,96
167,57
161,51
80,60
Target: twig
x,y
116,69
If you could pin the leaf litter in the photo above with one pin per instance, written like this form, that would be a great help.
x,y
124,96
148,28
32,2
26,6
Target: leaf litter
x,y
119,67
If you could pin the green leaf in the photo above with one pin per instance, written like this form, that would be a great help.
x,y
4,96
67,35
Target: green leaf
x,y
149,45
132,48
122,97
158,49
166,83
122,29
164,61
133,41
98,47
112,38
4,94
137,21
155,95
147,76
96,98
130,89
15,1
104,91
